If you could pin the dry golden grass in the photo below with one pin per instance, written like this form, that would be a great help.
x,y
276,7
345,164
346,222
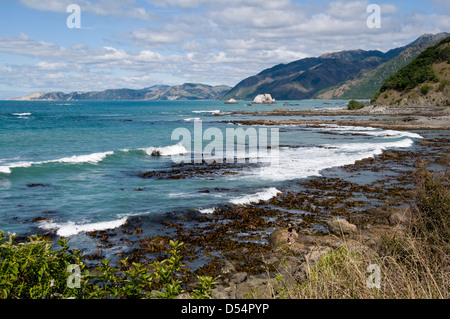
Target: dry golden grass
x,y
412,265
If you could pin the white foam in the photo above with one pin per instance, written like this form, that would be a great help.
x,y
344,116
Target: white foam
x,y
71,229
191,119
22,114
76,159
90,158
6,169
166,150
207,211
206,111
296,163
369,131
255,198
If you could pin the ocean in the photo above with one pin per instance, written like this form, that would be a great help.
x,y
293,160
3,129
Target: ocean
x,y
74,167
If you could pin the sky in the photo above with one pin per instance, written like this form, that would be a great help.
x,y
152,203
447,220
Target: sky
x,y
140,43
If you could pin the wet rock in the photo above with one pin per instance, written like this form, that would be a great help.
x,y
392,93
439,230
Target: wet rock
x,y
390,155
36,185
425,143
228,268
420,163
340,226
41,219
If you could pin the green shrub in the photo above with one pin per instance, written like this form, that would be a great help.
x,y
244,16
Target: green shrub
x,y
33,270
420,70
442,85
375,97
425,89
354,105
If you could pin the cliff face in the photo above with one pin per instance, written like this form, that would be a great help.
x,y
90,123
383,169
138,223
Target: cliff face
x,y
423,82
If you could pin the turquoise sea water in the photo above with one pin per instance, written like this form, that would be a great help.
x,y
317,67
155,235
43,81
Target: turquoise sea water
x,y
79,164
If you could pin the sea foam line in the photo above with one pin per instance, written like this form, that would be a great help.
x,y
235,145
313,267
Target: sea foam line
x,y
96,158
71,228
76,159
255,198
369,131
206,111
298,163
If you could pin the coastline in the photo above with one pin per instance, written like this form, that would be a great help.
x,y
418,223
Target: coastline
x,y
383,117
240,244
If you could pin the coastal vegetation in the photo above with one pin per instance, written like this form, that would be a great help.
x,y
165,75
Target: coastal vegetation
x,y
413,263
422,82
35,270
354,105
420,69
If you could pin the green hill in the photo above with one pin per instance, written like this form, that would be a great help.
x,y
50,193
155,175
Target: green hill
x,y
354,74
424,81
365,84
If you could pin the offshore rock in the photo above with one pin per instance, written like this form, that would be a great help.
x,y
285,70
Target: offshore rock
x,y
231,101
263,99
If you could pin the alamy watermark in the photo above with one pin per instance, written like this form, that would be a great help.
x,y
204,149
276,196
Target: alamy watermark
x,y
74,279
236,145
374,19
74,20
374,279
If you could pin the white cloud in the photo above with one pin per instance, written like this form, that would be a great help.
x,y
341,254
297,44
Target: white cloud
x,y
221,41
116,8
51,66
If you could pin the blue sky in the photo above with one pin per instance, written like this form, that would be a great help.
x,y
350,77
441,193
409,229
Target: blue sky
x,y
136,44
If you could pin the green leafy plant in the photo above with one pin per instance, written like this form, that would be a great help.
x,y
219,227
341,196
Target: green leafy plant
x,y
204,287
35,270
355,105
425,89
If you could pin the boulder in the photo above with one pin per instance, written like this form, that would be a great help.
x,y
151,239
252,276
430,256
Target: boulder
x,y
340,226
228,268
258,287
224,292
264,99
280,237
231,101
239,277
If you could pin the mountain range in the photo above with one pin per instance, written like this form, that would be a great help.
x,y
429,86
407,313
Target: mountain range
x,y
187,91
353,74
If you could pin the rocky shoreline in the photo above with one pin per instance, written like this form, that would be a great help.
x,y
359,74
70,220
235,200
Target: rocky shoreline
x,y
383,117
245,246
